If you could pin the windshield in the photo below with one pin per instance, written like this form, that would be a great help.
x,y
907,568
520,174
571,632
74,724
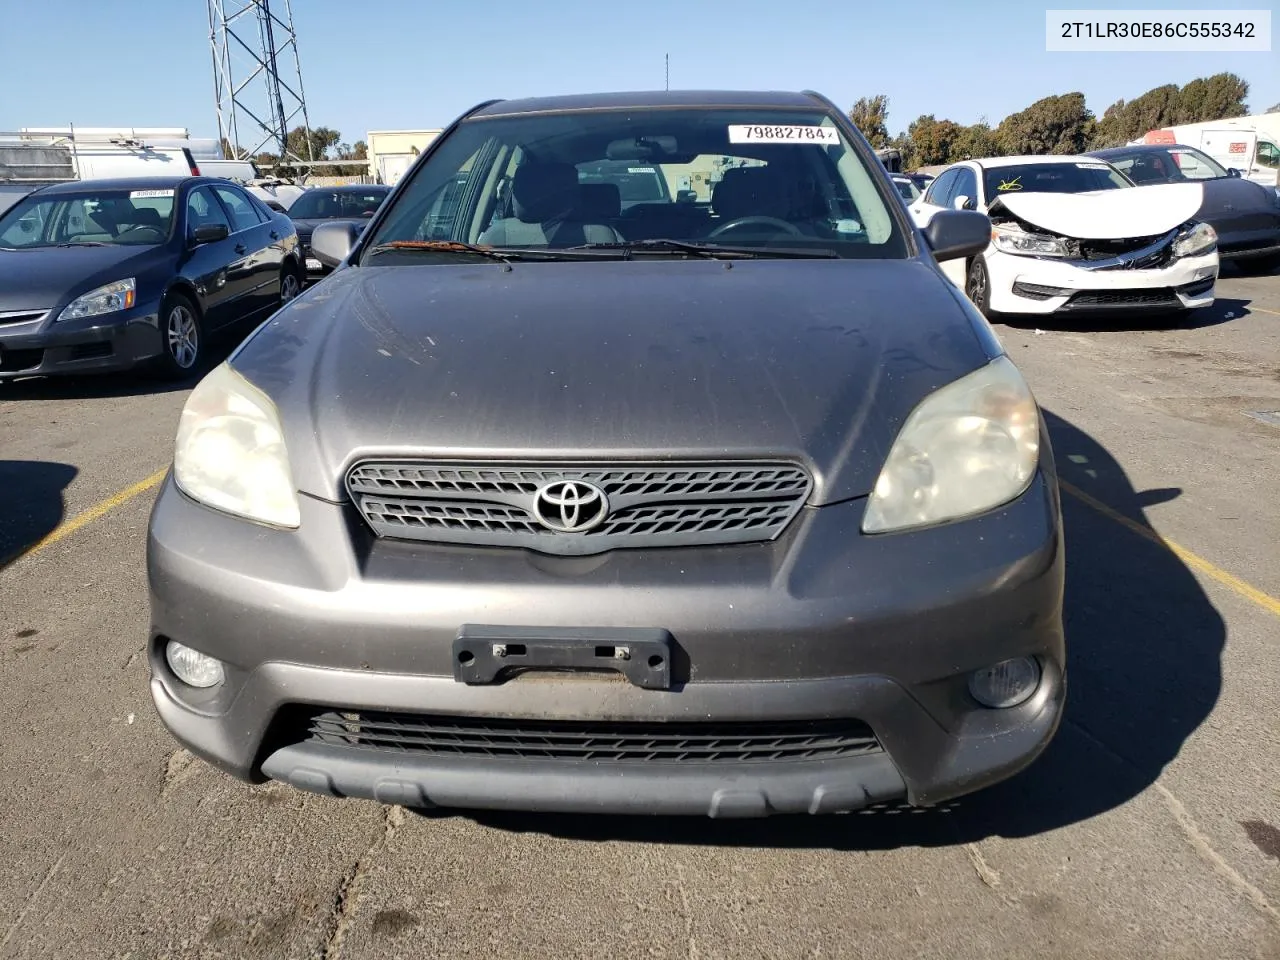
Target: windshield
x,y
114,217
1064,177
906,188
781,180
319,204
1167,165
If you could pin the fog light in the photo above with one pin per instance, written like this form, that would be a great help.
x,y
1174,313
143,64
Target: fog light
x,y
193,667
1005,684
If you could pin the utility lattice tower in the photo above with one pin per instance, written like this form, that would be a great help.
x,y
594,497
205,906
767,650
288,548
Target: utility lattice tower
x,y
257,77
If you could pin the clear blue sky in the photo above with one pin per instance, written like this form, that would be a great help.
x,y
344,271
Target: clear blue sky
x,y
394,64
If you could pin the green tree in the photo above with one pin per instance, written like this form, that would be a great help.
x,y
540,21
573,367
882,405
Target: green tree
x,y
357,151
975,141
1214,98
933,141
314,146
1274,108
1054,125
1206,98
870,115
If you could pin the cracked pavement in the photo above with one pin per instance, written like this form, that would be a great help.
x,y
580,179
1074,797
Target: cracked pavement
x,y
1151,827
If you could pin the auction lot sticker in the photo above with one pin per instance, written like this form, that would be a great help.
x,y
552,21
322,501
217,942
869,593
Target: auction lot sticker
x,y
755,133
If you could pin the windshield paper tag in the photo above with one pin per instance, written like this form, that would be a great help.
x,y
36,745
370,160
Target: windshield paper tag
x,y
639,169
147,194
751,133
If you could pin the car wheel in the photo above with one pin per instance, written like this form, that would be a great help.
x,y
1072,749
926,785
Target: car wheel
x,y
181,335
977,287
290,284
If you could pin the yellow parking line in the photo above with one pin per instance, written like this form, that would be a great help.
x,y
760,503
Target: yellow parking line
x,y
1192,560
1251,308
64,530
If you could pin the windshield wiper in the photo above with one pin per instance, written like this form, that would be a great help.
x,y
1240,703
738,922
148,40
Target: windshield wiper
x,y
441,246
82,243
502,254
713,251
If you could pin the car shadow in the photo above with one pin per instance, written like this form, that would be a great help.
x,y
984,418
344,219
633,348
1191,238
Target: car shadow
x,y
1144,649
31,504
1223,310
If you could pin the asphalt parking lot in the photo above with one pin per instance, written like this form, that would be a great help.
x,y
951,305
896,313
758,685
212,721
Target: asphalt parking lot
x,y
1151,827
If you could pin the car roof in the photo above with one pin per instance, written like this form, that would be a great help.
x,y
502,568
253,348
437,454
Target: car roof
x,y
352,187
657,98
1138,148
122,183
1026,161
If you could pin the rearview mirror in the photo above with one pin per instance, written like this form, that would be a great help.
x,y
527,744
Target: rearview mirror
x,y
331,242
1232,172
963,203
209,233
955,234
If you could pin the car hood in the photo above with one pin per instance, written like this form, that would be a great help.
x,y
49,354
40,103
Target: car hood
x,y
1229,197
1106,214
818,361
48,276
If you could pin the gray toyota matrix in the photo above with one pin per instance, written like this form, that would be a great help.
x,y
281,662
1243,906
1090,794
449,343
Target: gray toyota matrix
x,y
727,503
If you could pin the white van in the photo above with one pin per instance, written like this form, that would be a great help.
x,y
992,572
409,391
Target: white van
x,y
1255,154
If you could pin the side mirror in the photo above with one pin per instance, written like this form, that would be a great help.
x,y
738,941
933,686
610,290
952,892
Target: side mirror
x,y
963,203
1232,172
210,233
331,243
956,234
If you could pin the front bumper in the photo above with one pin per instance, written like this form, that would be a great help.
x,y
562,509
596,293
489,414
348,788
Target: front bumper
x,y
116,341
1029,285
822,624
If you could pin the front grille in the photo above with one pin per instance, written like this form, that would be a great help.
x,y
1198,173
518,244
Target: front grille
x,y
1102,299
20,316
621,742
14,361
647,505
1106,249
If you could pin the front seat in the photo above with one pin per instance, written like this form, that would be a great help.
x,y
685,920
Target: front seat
x,y
546,201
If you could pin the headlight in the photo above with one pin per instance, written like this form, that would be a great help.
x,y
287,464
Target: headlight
x,y
968,447
1014,240
120,295
1199,239
230,452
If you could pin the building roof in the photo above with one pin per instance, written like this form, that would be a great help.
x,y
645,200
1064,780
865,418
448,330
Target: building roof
x,y
659,98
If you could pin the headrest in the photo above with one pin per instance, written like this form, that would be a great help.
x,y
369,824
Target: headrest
x,y
600,201
544,191
751,192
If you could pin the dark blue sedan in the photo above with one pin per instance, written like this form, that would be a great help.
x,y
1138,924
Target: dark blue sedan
x,y
114,274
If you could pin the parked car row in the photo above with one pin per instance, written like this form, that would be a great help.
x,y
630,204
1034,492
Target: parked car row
x,y
137,272
1140,229
116,274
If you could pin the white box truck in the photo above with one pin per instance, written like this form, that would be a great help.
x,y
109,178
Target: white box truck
x,y
1248,144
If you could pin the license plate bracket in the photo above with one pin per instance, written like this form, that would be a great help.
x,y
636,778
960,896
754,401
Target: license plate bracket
x,y
482,653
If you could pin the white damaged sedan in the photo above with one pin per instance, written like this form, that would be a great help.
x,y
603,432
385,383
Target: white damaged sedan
x,y
1073,235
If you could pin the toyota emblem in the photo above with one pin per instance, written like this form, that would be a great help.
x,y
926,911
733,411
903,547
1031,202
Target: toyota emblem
x,y
570,506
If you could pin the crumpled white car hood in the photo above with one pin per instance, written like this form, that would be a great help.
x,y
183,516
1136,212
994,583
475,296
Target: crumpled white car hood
x,y
1106,214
